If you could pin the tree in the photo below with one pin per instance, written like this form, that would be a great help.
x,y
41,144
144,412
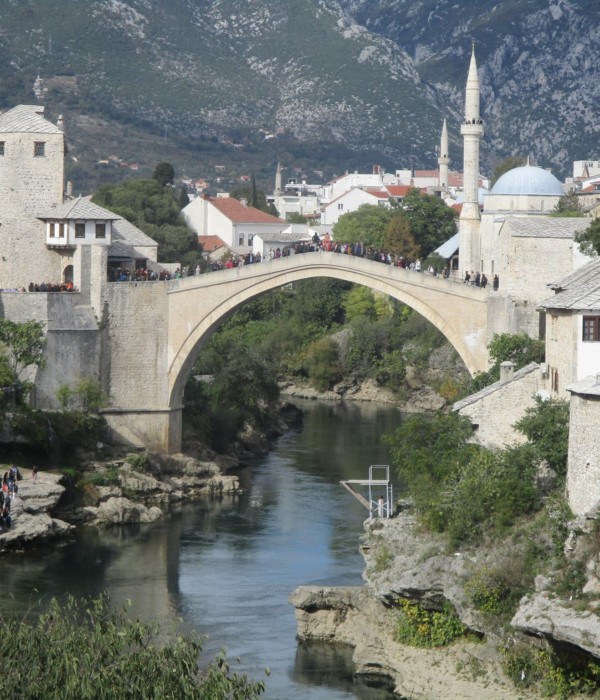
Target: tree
x,y
568,205
22,344
184,198
589,240
506,165
252,194
432,221
546,426
368,225
359,301
81,650
399,239
164,174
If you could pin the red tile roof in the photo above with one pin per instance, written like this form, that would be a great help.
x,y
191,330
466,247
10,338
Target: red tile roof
x,y
235,211
398,190
211,243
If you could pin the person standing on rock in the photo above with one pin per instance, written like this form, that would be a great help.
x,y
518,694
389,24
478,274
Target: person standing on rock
x,y
34,471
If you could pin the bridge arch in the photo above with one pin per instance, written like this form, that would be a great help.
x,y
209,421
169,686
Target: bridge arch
x,y
198,305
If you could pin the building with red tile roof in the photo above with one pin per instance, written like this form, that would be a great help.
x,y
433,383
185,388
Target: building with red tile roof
x,y
230,219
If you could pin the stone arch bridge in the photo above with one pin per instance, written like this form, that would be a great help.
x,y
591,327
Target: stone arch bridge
x,y
156,330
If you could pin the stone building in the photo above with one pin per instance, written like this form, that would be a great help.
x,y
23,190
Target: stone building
x,y
46,236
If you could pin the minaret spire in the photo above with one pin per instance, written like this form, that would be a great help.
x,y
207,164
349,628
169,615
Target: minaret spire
x,y
444,160
472,131
278,180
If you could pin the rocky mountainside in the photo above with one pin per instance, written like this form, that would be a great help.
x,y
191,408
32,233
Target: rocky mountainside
x,y
323,84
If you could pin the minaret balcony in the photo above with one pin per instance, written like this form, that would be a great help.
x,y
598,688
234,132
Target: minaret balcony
x,y
470,129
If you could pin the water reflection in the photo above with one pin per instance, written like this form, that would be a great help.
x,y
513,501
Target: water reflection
x,y
228,566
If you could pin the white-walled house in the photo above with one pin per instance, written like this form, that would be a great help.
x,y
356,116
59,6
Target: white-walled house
x,y
232,221
350,201
573,327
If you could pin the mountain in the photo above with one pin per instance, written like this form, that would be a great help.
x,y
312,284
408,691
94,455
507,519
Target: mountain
x,y
318,84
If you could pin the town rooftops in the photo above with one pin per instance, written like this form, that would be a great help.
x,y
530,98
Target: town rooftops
x,y
590,386
238,213
211,243
27,118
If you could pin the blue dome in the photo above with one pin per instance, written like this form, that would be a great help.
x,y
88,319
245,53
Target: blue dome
x,y
528,179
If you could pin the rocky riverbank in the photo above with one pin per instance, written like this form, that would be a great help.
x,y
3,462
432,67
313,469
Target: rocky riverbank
x,y
404,563
137,488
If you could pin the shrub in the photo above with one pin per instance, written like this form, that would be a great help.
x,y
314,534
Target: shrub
x,y
83,651
322,363
423,628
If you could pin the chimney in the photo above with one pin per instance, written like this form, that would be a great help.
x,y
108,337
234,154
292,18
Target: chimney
x,y
244,202
507,370
69,188
60,123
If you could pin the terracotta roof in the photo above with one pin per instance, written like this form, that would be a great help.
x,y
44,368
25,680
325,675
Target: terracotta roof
x,y
235,211
211,243
398,190
380,194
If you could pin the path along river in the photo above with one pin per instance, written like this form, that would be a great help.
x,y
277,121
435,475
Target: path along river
x,y
227,567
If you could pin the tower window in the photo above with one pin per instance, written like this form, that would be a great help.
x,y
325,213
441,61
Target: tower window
x,y
79,230
1,148
39,148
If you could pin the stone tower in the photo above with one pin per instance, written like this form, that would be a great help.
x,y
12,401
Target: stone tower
x,y
444,160
31,182
470,220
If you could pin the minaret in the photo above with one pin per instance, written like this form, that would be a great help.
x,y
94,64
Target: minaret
x,y
443,160
469,252
278,180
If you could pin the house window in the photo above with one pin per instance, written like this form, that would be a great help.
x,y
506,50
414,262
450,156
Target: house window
x,y
241,239
61,230
591,328
1,148
101,230
340,207
39,148
250,239
51,231
79,230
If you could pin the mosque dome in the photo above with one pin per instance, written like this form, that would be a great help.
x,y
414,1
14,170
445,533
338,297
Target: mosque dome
x,y
528,179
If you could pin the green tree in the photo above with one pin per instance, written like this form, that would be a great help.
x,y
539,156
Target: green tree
x,y
426,453
81,650
399,239
295,218
546,426
251,194
432,221
323,363
519,348
368,225
184,198
568,205
164,174
589,240
22,345
506,165
359,301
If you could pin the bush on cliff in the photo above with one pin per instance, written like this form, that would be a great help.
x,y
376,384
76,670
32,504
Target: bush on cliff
x,y
83,650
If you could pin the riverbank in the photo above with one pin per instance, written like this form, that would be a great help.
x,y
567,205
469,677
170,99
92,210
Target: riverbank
x,y
404,563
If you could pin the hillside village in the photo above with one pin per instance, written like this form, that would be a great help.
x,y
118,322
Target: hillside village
x,y
548,287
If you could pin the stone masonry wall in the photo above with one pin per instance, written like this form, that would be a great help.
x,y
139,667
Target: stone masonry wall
x,y
29,186
499,407
583,475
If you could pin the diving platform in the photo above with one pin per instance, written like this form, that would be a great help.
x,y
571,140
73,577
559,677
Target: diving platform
x,y
380,498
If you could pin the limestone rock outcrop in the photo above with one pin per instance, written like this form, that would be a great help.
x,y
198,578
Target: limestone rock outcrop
x,y
30,511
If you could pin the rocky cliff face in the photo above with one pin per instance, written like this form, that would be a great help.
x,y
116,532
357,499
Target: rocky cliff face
x,y
377,76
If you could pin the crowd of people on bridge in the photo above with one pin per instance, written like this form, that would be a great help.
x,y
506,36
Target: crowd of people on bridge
x,y
477,279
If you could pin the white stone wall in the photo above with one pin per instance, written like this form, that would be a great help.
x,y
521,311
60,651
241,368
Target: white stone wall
x,y
29,185
583,475
561,349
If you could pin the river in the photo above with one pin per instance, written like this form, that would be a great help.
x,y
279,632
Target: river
x,y
226,567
